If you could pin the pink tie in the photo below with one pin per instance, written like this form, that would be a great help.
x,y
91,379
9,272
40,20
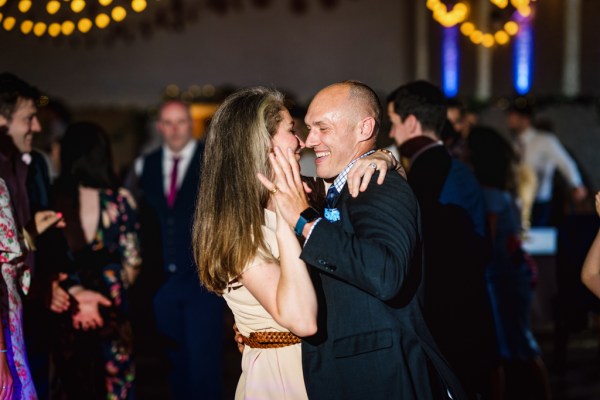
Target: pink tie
x,y
173,184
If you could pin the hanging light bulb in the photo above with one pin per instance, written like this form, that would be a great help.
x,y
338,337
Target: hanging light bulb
x,y
9,23
84,25
487,40
2,3
519,3
431,4
54,29
476,36
26,26
140,5
461,11
500,3
105,2
24,6
118,14
77,6
102,20
511,27
467,28
501,37
67,28
524,11
39,29
52,7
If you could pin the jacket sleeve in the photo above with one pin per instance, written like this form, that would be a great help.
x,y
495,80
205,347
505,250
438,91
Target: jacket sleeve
x,y
377,254
565,164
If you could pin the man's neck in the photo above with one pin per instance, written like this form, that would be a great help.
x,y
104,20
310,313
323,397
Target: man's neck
x,y
431,134
523,130
180,150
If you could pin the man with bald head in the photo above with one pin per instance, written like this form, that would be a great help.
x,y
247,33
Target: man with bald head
x,y
366,262
189,316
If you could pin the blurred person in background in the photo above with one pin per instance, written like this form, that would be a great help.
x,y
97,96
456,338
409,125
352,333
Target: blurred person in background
x,y
543,152
26,175
455,240
189,318
510,273
94,359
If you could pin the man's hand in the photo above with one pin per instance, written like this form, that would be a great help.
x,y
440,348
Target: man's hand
x,y
59,302
579,193
45,219
287,188
88,314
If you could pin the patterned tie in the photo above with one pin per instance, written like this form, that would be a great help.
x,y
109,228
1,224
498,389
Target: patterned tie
x,y
331,213
173,185
332,195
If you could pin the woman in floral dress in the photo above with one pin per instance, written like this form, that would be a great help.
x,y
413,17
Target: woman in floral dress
x,y
15,378
95,359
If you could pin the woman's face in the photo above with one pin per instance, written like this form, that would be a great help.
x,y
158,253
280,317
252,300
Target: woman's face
x,y
285,136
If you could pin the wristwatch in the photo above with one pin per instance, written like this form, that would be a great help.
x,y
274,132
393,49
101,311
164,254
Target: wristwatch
x,y
306,216
395,163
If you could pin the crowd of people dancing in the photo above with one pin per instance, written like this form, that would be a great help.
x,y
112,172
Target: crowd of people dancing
x,y
393,273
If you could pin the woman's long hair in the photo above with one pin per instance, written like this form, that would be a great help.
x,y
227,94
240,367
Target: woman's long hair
x,y
493,158
227,231
85,158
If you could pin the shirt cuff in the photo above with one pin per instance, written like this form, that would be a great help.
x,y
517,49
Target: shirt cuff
x,y
311,230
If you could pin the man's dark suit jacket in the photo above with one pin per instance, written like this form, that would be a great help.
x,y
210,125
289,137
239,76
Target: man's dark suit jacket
x,y
372,341
456,307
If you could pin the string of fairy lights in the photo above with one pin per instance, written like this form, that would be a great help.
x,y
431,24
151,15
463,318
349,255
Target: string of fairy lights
x,y
64,17
459,13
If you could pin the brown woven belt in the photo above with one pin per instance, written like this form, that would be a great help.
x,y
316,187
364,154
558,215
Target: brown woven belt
x,y
270,340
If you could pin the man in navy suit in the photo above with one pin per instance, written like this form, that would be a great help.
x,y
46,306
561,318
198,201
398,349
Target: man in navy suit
x,y
367,267
189,316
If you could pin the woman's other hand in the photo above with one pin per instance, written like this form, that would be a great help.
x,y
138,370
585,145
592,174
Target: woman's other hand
x,y
59,302
88,313
363,169
46,219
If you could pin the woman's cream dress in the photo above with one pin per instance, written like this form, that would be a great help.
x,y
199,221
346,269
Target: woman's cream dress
x,y
266,373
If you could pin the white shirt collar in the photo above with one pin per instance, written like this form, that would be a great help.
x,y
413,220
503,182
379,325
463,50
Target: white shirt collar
x,y
186,153
527,135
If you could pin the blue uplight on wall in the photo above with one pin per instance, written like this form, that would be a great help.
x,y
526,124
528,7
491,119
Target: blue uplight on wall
x,y
523,57
450,60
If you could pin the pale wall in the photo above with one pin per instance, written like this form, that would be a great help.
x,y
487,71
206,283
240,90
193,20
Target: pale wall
x,y
359,39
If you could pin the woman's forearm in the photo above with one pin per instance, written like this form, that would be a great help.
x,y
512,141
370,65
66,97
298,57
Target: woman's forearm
x,y
590,273
296,298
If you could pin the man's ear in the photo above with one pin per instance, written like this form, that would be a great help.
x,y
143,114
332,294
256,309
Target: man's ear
x,y
3,121
411,124
367,128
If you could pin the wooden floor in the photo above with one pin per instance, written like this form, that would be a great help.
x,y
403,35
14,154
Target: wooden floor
x,y
578,379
